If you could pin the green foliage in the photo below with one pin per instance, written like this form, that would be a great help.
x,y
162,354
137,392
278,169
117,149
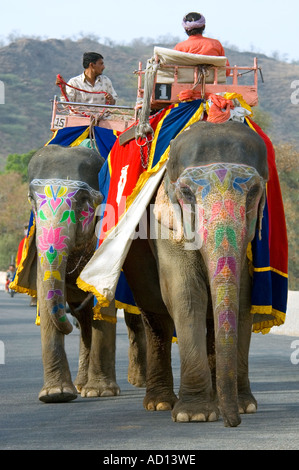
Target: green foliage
x,y
17,163
9,243
32,66
25,117
14,215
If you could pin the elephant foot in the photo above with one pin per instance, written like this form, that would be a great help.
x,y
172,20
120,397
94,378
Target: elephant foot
x,y
137,366
247,403
80,381
159,402
185,412
60,394
100,389
137,377
79,387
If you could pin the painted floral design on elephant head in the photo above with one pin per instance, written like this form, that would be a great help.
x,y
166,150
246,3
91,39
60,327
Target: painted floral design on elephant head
x,y
54,197
51,244
57,197
220,210
87,216
55,212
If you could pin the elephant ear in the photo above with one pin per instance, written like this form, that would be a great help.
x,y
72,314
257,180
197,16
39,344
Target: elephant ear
x,y
168,213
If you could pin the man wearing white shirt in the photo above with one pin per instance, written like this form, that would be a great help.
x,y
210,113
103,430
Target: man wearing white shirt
x,y
91,80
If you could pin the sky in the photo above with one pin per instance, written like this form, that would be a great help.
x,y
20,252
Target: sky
x,y
264,26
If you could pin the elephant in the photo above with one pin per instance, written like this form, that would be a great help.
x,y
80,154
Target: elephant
x,y
195,273
64,193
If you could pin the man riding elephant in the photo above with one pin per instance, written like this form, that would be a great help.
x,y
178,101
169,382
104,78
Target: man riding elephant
x,y
192,272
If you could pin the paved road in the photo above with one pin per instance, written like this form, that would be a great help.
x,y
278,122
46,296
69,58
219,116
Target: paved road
x,y
121,423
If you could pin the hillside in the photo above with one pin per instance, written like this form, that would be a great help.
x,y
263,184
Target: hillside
x,y
28,69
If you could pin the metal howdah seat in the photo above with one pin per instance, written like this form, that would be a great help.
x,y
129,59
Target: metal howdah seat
x,y
69,114
179,71
168,73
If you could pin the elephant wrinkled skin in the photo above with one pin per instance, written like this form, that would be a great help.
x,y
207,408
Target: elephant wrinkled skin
x,y
196,275
64,194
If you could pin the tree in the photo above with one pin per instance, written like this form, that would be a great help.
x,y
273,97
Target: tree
x,y
18,163
14,215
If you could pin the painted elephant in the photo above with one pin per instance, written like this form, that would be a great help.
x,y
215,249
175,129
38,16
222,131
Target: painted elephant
x,y
196,275
64,194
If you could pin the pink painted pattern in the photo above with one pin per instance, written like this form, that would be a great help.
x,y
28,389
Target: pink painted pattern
x,y
220,191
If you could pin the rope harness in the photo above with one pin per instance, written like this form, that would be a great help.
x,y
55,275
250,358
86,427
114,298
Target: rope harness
x,y
62,82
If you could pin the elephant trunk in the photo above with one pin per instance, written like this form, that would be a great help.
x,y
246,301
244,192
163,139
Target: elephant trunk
x,y
64,215
220,204
225,293
53,253
223,252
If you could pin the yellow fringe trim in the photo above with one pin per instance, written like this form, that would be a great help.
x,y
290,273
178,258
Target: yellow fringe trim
x,y
37,318
14,284
98,315
265,326
128,308
263,309
89,288
23,290
107,318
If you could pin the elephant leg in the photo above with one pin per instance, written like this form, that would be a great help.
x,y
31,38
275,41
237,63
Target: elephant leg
x,y
247,402
101,370
137,350
84,317
159,380
197,397
141,273
187,298
58,386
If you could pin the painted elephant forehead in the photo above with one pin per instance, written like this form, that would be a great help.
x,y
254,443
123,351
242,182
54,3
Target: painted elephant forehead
x,y
220,175
56,200
57,186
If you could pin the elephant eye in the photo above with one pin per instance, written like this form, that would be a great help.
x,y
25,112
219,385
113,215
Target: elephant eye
x,y
85,197
84,200
187,194
31,199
